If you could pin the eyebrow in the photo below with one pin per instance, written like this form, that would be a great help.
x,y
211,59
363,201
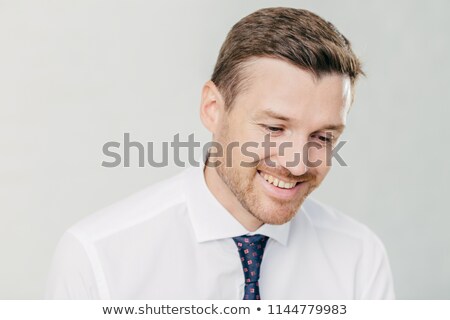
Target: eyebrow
x,y
273,114
335,127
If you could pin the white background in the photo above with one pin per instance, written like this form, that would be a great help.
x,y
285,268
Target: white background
x,y
76,74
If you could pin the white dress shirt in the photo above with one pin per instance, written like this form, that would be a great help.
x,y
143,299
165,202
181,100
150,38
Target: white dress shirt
x,y
173,240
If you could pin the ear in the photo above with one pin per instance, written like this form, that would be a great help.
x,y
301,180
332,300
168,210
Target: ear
x,y
212,107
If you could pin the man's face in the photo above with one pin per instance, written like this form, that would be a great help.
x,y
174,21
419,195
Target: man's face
x,y
294,109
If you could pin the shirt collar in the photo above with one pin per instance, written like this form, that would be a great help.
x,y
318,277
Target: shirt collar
x,y
211,221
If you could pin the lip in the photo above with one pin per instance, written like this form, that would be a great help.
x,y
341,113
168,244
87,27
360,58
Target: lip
x,y
280,193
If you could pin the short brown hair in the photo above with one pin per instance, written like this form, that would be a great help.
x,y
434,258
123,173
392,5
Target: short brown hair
x,y
297,36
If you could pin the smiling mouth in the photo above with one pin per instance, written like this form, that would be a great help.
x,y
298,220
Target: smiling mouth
x,y
282,184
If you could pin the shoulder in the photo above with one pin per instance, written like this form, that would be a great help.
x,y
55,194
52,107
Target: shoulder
x,y
99,243
351,245
164,198
328,220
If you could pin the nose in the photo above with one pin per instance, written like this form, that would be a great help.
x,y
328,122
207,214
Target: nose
x,y
290,156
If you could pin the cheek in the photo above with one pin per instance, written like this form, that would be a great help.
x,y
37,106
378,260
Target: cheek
x,y
252,153
317,158
242,155
323,169
247,147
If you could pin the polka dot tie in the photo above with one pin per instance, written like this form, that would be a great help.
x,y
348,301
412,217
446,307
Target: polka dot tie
x,y
251,250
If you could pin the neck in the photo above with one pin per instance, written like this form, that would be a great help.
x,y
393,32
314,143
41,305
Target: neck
x,y
229,201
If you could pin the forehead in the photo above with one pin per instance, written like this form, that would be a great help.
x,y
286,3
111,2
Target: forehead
x,y
280,86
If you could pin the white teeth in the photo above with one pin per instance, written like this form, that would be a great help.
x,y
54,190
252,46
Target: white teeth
x,y
275,182
278,183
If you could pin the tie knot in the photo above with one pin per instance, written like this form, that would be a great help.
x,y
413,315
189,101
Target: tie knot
x,y
257,241
251,250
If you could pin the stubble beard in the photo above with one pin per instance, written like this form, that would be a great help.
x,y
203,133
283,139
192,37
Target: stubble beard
x,y
273,211
243,187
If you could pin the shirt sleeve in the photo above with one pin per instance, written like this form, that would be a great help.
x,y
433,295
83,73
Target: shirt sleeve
x,y
71,275
374,274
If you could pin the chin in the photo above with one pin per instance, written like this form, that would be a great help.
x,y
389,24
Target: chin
x,y
276,214
277,219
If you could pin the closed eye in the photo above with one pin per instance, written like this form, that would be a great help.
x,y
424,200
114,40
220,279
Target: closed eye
x,y
272,129
324,138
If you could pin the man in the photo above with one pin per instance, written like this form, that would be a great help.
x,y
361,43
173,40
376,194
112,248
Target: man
x,y
241,225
